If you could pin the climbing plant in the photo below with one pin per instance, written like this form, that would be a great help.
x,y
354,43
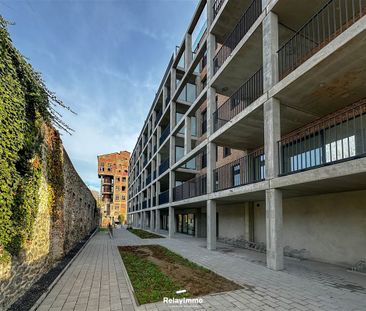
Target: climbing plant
x,y
27,107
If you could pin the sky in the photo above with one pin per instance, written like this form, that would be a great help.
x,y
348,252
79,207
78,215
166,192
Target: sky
x,y
105,59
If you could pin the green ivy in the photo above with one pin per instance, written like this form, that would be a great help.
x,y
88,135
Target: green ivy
x,y
25,106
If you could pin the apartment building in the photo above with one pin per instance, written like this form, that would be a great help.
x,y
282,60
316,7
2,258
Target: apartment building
x,y
113,174
257,134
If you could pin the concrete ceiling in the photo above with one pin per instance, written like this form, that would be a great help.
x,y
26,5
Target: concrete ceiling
x,y
230,16
334,83
242,66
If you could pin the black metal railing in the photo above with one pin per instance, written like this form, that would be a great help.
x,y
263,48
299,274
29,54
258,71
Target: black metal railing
x,y
246,170
154,201
144,204
163,166
164,134
251,90
338,137
158,116
145,161
164,197
191,188
154,174
330,21
239,31
217,6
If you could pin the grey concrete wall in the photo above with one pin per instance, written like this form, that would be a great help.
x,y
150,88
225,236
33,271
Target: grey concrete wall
x,y
231,221
331,228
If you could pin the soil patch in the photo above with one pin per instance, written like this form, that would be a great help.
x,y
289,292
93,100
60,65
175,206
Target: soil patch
x,y
184,274
144,234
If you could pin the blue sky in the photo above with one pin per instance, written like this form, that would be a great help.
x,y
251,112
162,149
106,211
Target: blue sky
x,y
105,59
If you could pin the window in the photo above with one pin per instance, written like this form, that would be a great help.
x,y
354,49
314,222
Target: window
x,y
117,198
117,188
123,179
236,175
123,188
204,122
226,152
123,197
118,179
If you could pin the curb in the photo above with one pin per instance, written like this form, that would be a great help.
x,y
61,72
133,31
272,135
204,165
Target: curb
x,y
45,294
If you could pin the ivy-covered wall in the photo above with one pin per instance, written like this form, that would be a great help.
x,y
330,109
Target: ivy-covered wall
x,y
40,191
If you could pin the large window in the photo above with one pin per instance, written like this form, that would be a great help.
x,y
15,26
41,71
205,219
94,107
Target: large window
x,y
333,143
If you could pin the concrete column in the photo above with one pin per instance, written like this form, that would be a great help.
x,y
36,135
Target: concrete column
x,y
274,229
157,192
153,118
151,220
187,135
171,185
157,220
188,51
173,79
211,165
248,221
171,222
210,15
211,224
173,110
272,134
158,134
270,48
165,96
172,150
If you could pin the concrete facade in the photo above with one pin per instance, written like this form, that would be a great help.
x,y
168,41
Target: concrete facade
x,y
256,134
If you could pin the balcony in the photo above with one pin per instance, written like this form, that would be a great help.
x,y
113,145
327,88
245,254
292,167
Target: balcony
x,y
163,166
164,134
153,201
164,197
339,137
251,90
246,170
158,117
191,188
238,33
217,6
148,179
329,22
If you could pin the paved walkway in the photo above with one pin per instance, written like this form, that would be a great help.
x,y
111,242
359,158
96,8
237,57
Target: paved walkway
x,y
97,281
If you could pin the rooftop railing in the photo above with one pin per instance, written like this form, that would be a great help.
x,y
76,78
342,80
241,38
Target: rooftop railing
x,y
191,188
246,170
238,33
329,22
251,90
338,137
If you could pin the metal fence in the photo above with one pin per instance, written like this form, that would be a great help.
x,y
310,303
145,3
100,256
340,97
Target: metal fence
x,y
246,170
239,31
163,166
251,90
191,188
330,21
338,137
164,134
164,197
217,6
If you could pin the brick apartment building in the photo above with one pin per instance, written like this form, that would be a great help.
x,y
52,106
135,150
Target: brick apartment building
x,y
257,134
113,174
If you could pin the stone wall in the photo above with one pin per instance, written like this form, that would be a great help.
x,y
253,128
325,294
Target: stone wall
x,y
51,239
